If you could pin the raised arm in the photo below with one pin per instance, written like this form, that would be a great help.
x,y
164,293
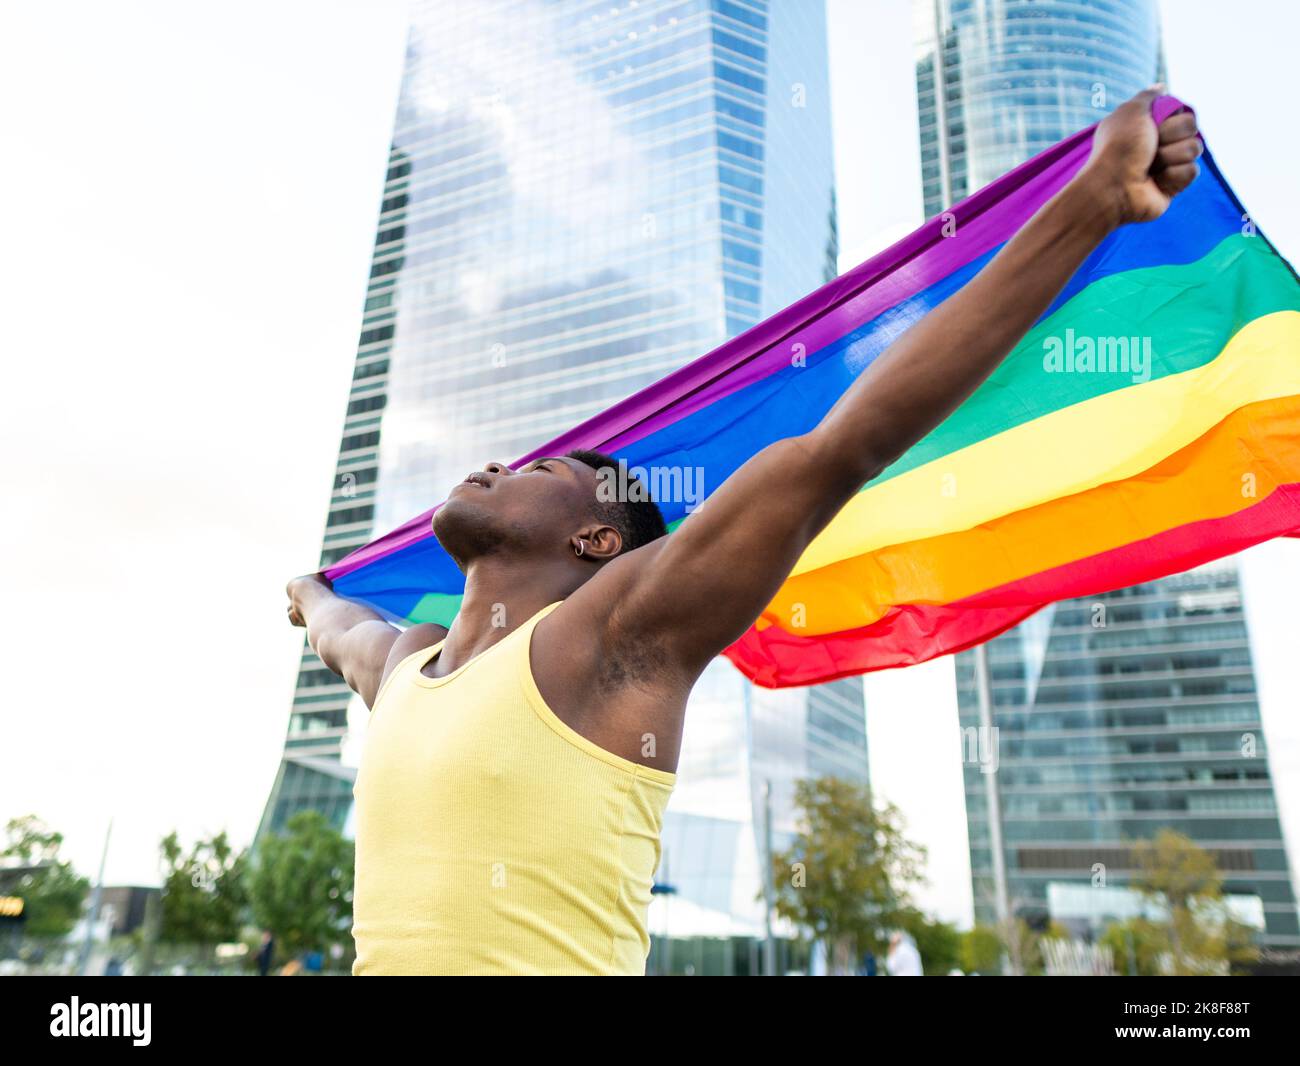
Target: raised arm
x,y
702,587
353,641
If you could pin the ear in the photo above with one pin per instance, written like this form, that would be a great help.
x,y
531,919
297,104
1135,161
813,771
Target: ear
x,y
597,543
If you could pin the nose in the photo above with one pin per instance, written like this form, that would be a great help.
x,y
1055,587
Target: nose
x,y
497,468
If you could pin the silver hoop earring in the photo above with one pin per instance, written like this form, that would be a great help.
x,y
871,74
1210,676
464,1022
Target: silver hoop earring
x,y
582,547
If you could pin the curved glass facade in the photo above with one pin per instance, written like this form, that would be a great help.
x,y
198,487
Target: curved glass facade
x,y
579,203
1000,80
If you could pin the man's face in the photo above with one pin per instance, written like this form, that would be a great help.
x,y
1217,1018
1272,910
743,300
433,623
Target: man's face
x,y
533,509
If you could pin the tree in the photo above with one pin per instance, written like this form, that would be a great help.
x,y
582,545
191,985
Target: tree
x,y
301,885
938,943
53,894
1019,941
844,879
204,893
980,950
1138,945
1197,934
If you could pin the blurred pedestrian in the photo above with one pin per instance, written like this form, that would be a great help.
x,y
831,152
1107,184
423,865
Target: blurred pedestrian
x,y
904,959
265,954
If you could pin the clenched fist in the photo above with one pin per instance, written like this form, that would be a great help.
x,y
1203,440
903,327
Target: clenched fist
x,y
300,590
1138,167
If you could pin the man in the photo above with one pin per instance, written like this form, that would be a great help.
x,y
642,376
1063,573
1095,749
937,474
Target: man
x,y
516,769
266,953
904,959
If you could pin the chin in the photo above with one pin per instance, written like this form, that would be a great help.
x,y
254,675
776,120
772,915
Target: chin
x,y
464,530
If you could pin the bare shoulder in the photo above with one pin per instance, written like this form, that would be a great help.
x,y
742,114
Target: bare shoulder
x,y
590,630
612,688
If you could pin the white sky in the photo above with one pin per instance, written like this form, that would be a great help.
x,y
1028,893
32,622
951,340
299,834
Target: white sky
x,y
187,206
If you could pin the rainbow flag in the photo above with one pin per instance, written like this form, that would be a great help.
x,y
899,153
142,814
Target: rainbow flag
x,y
1149,422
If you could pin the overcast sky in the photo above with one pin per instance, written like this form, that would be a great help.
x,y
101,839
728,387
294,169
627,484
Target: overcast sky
x,y
187,207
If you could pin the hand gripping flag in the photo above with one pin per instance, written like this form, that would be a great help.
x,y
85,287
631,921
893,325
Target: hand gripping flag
x,y
1148,422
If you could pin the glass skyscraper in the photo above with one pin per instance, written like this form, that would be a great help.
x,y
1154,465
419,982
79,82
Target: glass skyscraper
x,y
998,81
580,198
1127,712
1119,715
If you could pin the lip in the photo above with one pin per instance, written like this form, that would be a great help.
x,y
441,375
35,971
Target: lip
x,y
478,479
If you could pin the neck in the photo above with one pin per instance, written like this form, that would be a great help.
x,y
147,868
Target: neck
x,y
501,594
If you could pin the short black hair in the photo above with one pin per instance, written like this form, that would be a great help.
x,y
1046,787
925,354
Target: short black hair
x,y
638,520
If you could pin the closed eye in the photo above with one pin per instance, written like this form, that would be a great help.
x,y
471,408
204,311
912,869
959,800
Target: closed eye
x,y
550,464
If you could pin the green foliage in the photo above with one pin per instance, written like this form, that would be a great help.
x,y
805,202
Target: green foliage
x,y
1198,934
54,895
1023,945
1138,945
980,950
301,885
204,893
938,943
845,878
1056,931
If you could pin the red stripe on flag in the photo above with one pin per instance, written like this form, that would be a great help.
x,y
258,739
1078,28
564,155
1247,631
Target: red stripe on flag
x,y
911,634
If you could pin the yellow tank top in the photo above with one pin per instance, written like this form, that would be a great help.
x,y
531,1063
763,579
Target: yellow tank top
x,y
491,838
